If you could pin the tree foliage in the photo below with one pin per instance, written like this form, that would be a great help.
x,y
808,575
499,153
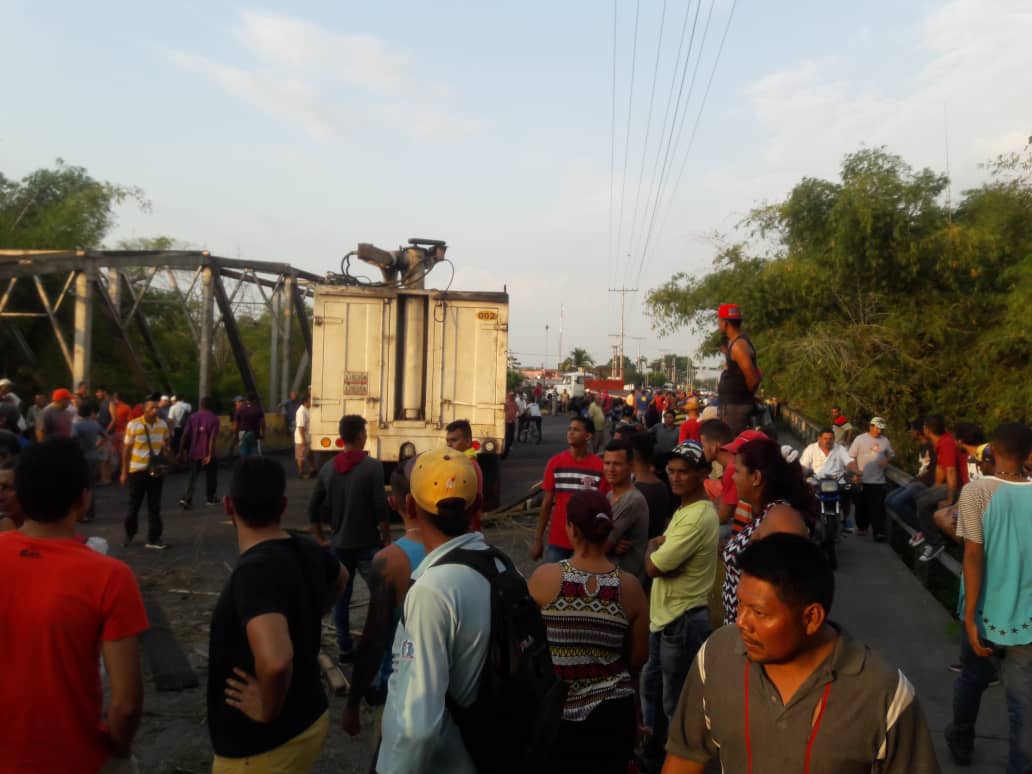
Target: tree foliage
x,y
869,292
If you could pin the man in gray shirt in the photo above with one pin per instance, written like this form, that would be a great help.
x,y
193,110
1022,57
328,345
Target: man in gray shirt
x,y
666,433
626,543
784,689
872,452
349,494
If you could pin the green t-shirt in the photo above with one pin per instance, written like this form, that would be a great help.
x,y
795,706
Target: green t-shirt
x,y
690,547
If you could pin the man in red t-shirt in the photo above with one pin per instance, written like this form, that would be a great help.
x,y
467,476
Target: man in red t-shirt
x,y
690,427
64,605
951,474
566,473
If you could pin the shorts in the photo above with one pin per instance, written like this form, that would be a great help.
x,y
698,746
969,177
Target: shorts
x,y
301,451
296,755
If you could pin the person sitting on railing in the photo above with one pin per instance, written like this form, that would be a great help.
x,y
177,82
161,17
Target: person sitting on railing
x,y
903,500
951,475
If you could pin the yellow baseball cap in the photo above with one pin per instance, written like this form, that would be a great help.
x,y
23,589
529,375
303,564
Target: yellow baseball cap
x,y
440,475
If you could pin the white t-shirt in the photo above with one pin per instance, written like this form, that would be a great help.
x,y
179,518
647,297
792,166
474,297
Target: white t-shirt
x,y
301,421
830,465
868,452
534,409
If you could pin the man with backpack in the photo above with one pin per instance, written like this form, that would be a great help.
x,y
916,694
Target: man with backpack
x,y
445,711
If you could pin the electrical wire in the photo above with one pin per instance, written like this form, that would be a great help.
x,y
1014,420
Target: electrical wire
x,y
666,114
627,132
648,127
670,138
698,118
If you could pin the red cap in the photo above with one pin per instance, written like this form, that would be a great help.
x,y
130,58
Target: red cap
x,y
729,312
61,394
743,438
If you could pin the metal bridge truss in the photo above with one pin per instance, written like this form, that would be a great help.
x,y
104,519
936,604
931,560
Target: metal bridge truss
x,y
117,282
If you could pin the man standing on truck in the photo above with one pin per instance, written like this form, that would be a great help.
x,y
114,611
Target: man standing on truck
x,y
741,376
569,472
349,494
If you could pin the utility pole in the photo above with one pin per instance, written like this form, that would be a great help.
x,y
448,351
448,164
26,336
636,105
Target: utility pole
x,y
623,296
544,362
559,362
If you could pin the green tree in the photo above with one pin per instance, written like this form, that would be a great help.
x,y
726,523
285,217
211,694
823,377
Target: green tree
x,y
867,291
578,359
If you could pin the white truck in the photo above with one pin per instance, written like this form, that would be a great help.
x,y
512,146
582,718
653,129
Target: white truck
x,y
410,360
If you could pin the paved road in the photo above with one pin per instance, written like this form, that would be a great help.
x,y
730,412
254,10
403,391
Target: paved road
x,y
877,600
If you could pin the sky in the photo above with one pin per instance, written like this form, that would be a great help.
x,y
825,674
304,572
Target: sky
x,y
291,132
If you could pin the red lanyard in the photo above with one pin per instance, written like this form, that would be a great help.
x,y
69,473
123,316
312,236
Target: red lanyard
x,y
813,733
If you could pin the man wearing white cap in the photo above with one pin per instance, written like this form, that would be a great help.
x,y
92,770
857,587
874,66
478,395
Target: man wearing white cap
x,y
872,452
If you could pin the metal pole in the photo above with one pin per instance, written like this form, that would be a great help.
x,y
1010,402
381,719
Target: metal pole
x,y
562,313
287,309
207,324
115,290
274,336
82,355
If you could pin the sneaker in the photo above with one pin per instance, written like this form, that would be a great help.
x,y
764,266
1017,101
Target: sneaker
x,y
212,502
880,538
958,668
916,540
184,503
930,552
847,528
127,541
157,545
960,751
861,533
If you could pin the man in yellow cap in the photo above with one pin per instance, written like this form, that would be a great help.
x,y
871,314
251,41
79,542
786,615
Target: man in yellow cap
x,y
440,645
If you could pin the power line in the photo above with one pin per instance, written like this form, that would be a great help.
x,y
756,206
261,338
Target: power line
x,y
698,118
670,138
666,112
612,148
648,126
627,131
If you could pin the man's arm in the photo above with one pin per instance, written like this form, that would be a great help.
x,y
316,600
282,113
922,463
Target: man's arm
x,y
212,439
951,486
537,550
127,452
908,745
315,507
262,695
122,662
375,635
974,574
380,509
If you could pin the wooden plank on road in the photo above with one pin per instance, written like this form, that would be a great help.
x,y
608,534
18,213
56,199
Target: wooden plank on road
x,y
168,664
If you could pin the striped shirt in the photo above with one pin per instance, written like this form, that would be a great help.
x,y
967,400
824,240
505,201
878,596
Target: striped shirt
x,y
136,440
587,634
565,475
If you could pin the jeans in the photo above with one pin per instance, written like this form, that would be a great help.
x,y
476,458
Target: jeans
x,y
903,501
211,473
142,484
93,466
927,505
976,672
353,559
671,651
870,510
510,436
555,554
1016,675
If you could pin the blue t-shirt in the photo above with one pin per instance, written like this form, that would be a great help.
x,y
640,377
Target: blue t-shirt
x,y
415,552
1006,602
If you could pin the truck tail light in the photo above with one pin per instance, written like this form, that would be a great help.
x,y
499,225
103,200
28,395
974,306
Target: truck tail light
x,y
325,443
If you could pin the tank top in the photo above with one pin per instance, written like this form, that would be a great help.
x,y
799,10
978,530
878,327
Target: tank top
x,y
732,574
732,387
587,633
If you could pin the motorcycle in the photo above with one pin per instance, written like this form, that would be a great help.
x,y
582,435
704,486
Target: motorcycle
x,y
831,497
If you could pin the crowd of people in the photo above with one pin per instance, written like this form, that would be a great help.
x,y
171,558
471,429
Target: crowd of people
x,y
681,613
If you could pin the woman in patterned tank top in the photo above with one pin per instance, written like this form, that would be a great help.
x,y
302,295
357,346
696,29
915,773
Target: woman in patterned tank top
x,y
777,491
598,627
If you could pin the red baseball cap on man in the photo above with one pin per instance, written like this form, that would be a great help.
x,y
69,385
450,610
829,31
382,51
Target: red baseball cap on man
x,y
743,438
729,312
61,394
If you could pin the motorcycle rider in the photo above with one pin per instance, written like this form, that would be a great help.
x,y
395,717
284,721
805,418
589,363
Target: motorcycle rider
x,y
825,459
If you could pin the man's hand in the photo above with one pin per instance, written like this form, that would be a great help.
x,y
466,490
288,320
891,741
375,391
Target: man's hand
x,y
245,695
537,549
975,639
944,504
122,479
657,541
207,460
622,547
351,720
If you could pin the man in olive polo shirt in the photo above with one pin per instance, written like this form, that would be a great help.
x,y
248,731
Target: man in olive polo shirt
x,y
786,690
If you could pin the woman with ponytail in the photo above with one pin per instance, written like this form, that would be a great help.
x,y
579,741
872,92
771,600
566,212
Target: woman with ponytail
x,y
779,495
598,633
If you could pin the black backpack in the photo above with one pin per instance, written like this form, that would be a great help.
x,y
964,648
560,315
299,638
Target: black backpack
x,y
512,724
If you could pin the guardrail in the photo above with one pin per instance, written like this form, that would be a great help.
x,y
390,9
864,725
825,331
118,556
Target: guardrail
x,y
898,532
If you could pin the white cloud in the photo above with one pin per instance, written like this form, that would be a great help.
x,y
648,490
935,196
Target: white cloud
x,y
331,83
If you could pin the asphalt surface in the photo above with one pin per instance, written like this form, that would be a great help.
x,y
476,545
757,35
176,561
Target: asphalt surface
x,y
878,600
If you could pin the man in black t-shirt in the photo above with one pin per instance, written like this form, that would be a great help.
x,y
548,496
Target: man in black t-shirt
x,y
266,706
736,389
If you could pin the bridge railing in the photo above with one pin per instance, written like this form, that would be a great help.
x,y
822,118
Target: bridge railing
x,y
943,578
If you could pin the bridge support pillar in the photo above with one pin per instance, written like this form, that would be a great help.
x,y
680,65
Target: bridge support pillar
x,y
287,308
207,324
274,355
82,352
